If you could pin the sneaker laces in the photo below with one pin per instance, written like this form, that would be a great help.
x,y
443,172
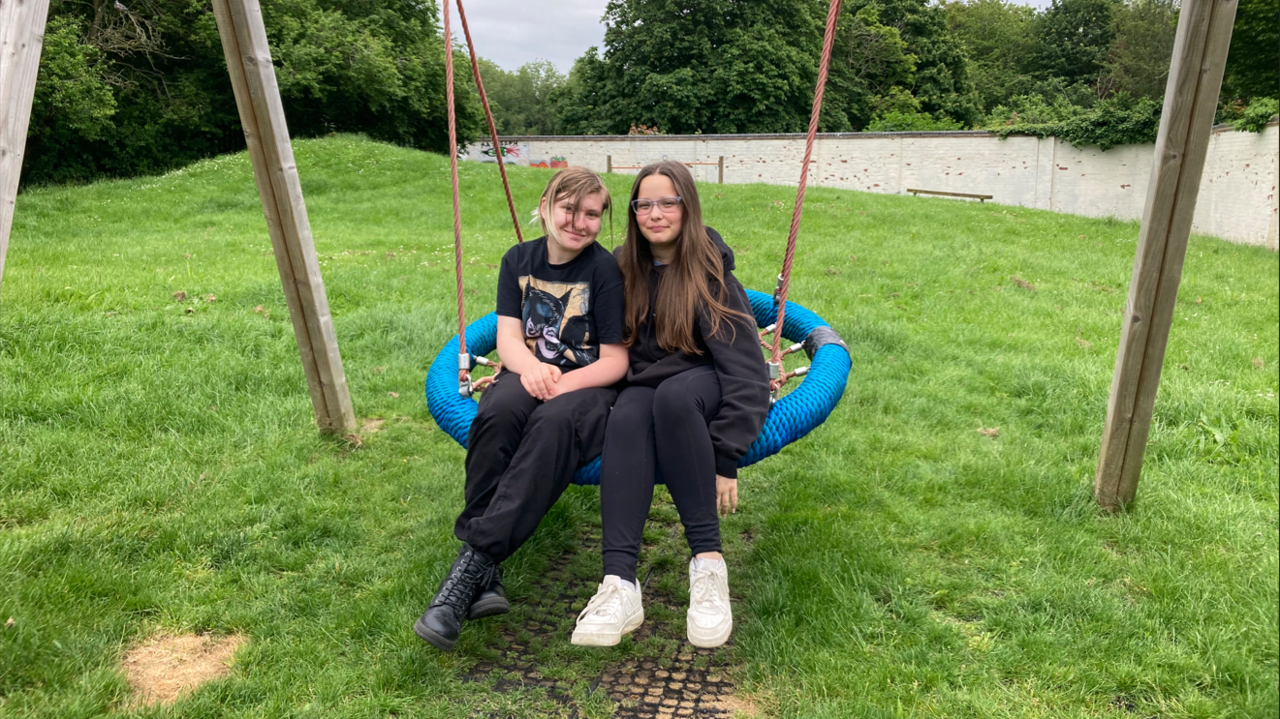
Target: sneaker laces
x,y
605,603
706,590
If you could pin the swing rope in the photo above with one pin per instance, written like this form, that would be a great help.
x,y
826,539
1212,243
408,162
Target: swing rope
x,y
488,115
777,378
465,386
463,370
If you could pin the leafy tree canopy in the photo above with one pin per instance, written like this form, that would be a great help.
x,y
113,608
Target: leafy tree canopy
x,y
725,66
1253,63
138,86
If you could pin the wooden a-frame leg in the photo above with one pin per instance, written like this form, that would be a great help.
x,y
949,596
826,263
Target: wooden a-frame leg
x,y
244,41
21,37
1191,98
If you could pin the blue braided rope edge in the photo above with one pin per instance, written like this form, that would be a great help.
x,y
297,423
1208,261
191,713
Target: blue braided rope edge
x,y
790,418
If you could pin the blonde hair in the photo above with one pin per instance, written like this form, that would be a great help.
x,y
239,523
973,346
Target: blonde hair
x,y
573,183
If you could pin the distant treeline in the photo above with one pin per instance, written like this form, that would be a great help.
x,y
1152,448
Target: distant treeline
x,y
140,86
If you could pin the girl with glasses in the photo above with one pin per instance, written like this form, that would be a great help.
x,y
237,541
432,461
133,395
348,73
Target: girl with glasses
x,y
696,398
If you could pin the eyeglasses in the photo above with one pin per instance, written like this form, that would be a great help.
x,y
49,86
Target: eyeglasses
x,y
666,204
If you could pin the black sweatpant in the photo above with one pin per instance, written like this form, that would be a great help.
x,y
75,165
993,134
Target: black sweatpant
x,y
660,429
521,454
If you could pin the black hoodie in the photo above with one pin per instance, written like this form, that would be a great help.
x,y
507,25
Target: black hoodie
x,y
735,354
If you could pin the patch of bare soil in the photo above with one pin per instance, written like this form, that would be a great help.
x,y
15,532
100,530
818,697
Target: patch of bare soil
x,y
166,667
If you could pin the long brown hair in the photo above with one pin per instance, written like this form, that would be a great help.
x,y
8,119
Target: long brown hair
x,y
693,282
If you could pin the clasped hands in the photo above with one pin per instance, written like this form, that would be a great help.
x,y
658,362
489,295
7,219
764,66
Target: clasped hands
x,y
545,382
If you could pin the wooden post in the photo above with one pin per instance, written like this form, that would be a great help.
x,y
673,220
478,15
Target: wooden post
x,y
253,79
608,164
21,37
1191,97
721,180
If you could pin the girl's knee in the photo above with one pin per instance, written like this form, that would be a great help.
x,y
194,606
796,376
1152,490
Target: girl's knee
x,y
674,399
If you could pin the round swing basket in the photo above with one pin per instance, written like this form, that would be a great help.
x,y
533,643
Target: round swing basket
x,y
791,417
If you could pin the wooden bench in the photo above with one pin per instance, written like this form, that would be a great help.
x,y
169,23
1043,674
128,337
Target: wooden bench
x,y
979,198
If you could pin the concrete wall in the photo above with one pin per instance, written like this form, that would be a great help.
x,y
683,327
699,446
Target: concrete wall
x,y
1238,191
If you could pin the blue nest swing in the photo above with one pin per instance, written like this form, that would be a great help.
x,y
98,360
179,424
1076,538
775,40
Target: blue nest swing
x,y
791,417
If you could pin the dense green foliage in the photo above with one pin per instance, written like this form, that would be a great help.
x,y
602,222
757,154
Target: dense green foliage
x,y
160,470
524,102
1118,120
143,86
139,87
723,66
1251,117
1253,65
690,66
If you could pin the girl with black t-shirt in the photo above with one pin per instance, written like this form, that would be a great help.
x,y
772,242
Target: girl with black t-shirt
x,y
560,332
697,396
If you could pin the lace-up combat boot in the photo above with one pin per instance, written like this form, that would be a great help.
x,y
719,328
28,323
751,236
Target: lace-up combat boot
x,y
491,600
441,623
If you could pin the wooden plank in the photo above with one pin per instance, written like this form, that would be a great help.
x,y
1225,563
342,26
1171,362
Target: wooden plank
x,y
720,175
1191,97
950,194
253,80
21,38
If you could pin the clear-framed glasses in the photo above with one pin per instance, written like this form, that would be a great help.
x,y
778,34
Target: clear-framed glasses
x,y
666,204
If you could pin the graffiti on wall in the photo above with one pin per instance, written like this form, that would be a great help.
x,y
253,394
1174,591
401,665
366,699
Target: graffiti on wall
x,y
513,153
554,162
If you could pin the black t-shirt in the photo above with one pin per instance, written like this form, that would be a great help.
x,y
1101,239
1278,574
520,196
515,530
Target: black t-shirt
x,y
567,311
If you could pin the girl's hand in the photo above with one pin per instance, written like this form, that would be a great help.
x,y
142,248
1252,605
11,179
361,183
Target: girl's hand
x,y
726,495
540,383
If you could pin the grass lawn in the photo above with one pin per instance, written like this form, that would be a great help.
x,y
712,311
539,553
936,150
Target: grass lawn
x,y
160,471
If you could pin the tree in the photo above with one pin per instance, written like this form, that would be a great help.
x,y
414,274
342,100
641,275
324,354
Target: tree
x,y
726,66
523,102
997,36
73,100
690,66
1141,48
941,84
1074,37
373,66
1253,62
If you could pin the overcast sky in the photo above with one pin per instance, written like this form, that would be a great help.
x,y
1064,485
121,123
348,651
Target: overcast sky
x,y
513,32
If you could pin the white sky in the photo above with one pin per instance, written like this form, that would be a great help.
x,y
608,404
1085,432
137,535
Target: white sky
x,y
513,32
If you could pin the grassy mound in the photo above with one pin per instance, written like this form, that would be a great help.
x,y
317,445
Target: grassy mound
x,y
160,472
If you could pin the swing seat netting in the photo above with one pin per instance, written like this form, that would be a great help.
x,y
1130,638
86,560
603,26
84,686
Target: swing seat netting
x,y
790,418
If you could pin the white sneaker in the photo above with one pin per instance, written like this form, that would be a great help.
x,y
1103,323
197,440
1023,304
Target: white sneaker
x,y
615,610
710,618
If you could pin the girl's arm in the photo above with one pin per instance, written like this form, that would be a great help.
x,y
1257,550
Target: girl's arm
x,y
611,367
744,383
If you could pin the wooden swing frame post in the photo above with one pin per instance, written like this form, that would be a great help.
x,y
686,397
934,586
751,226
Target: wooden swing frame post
x,y
253,79
1191,98
21,38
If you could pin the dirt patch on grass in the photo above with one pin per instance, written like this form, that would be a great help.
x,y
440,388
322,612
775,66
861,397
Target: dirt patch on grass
x,y
166,667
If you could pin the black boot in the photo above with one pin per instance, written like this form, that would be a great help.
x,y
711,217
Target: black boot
x,y
442,621
491,600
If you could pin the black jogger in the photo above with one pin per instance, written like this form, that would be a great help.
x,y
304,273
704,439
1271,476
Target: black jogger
x,y
521,455
664,429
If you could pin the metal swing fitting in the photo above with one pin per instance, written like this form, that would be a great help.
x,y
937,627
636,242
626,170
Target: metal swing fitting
x,y
465,387
775,377
777,291
793,348
485,361
765,333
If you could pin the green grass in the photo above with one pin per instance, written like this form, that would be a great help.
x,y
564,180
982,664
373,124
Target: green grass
x,y
160,471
